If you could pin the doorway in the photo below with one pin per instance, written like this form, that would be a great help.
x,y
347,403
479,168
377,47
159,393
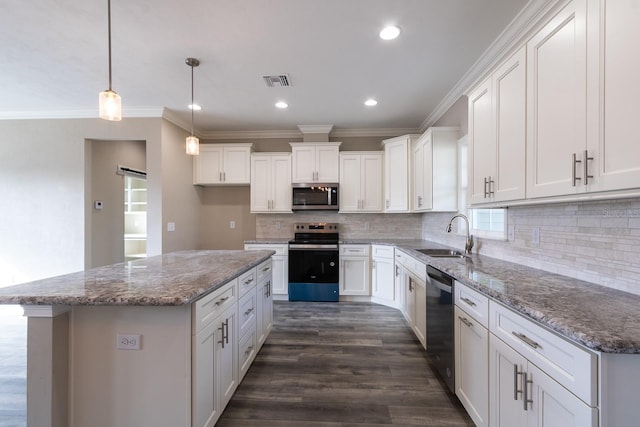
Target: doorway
x,y
135,217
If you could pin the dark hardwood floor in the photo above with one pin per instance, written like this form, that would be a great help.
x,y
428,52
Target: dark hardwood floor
x,y
341,364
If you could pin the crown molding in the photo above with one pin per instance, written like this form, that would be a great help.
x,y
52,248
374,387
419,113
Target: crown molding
x,y
375,132
509,39
88,113
315,128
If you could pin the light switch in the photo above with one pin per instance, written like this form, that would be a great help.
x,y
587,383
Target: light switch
x,y
171,226
535,236
511,233
232,224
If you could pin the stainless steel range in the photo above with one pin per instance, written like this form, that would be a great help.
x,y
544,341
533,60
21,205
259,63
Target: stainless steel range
x,y
314,264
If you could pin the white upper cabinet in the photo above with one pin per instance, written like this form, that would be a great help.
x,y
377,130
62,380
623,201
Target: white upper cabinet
x,y
222,164
271,182
613,96
397,172
497,124
361,181
556,104
314,162
435,168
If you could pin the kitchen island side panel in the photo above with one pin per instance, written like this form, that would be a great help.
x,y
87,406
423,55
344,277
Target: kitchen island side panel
x,y
143,388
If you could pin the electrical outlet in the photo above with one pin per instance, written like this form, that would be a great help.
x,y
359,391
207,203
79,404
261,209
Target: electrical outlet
x,y
232,224
535,236
278,225
128,341
367,225
171,226
511,233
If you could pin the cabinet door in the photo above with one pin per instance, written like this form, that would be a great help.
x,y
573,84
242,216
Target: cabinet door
x,y
236,165
350,183
509,86
472,366
409,300
426,202
382,279
226,374
556,103
354,276
204,407
280,285
265,313
553,405
417,185
482,146
281,183
207,167
420,311
303,164
613,98
371,183
506,370
261,183
396,158
327,163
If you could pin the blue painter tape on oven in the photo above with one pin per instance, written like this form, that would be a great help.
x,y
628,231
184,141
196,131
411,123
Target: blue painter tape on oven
x,y
313,292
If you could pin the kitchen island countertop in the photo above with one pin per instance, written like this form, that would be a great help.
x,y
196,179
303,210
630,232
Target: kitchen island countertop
x,y
175,278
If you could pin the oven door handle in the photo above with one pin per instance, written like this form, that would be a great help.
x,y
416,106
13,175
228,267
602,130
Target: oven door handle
x,y
314,247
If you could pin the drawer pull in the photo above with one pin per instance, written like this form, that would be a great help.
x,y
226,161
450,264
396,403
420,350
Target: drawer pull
x,y
246,282
468,301
248,350
465,321
264,270
221,300
527,340
248,312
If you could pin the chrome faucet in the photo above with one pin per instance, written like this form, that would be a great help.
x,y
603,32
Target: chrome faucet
x,y
469,243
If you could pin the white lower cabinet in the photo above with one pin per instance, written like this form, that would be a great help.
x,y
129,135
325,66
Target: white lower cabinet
x,y
538,379
382,276
413,297
354,270
264,303
279,267
471,338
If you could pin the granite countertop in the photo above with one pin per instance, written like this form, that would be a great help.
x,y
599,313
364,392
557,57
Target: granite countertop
x,y
175,278
598,317
270,241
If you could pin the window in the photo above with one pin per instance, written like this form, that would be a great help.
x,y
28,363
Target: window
x,y
486,223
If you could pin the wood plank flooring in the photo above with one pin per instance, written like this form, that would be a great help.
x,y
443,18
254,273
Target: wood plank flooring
x,y
339,365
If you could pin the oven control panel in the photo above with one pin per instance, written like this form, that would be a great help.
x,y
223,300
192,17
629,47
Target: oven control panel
x,y
316,227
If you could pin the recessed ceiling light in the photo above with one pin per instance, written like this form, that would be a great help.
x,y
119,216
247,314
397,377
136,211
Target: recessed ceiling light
x,y
281,104
390,32
370,102
195,107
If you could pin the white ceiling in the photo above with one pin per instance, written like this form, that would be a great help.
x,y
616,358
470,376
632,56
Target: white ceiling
x,y
54,58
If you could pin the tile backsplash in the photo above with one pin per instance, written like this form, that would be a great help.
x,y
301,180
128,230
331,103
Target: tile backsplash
x,y
352,226
595,241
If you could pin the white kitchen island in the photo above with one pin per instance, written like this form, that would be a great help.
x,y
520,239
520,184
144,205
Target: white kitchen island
x,y
166,309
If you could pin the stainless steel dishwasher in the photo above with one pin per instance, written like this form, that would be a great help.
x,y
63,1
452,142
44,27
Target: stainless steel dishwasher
x,y
440,324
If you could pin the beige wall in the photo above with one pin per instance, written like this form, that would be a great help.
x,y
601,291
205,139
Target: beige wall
x,y
107,230
220,206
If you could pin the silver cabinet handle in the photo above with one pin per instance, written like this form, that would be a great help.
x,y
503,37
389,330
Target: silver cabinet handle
x,y
264,270
525,387
586,167
419,201
516,374
224,328
465,321
397,271
574,178
221,300
246,282
485,187
387,204
224,176
248,312
491,181
468,301
527,340
220,176
373,264
248,350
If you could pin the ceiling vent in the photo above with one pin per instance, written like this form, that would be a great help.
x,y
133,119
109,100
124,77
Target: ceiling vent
x,y
281,80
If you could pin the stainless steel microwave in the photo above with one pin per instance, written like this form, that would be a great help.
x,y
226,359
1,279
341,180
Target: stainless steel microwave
x,y
315,197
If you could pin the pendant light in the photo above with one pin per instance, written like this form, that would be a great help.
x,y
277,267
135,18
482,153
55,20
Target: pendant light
x,y
110,102
193,143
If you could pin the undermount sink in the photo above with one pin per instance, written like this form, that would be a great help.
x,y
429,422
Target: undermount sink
x,y
442,253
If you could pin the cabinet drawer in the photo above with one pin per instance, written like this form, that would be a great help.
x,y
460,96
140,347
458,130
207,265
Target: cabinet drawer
x,y
247,313
264,270
380,251
246,282
473,303
208,307
570,365
280,249
356,250
247,351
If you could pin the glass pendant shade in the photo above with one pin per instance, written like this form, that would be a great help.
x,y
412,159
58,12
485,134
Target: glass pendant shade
x,y
110,106
193,145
